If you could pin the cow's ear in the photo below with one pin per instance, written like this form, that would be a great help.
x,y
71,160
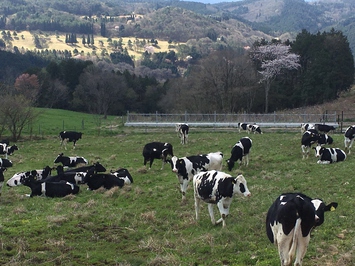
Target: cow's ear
x,y
331,207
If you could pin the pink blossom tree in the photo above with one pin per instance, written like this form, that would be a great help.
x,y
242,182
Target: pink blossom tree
x,y
273,60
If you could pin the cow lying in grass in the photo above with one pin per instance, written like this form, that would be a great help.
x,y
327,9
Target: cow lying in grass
x,y
49,189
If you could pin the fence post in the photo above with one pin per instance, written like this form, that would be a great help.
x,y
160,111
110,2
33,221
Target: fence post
x,y
63,124
127,117
185,116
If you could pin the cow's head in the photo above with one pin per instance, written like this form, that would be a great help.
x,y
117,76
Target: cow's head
x,y
321,208
99,167
240,186
58,159
318,150
230,164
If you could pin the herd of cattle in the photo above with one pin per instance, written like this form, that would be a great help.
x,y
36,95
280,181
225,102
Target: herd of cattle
x,y
290,218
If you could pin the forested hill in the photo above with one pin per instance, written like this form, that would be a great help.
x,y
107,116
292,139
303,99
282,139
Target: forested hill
x,y
248,19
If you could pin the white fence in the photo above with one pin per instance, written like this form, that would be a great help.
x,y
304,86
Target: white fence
x,y
228,120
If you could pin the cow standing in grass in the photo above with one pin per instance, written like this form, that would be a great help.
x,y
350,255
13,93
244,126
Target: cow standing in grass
x,y
214,187
157,150
69,136
289,223
240,149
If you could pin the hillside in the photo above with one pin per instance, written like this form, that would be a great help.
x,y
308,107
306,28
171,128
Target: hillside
x,y
102,46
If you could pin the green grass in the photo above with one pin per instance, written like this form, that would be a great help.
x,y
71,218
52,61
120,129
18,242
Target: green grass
x,y
146,223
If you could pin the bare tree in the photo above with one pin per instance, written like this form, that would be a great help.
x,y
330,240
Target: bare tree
x,y
219,83
16,112
273,60
100,92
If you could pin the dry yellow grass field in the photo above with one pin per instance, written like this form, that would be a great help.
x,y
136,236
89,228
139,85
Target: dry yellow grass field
x,y
25,40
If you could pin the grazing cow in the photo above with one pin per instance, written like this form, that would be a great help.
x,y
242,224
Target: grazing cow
x,y
69,136
240,149
349,137
7,150
306,126
37,174
309,138
214,187
183,132
157,150
329,155
70,161
324,128
289,223
256,129
49,189
5,163
324,139
124,174
244,126
186,167
2,178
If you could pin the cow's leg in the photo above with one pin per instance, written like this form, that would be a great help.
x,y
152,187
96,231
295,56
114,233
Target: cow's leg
x,y
1,183
151,162
74,144
302,245
247,159
350,145
224,211
183,187
163,162
323,162
197,207
210,210
284,243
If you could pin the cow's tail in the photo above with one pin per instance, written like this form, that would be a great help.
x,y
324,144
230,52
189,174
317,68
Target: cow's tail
x,y
296,234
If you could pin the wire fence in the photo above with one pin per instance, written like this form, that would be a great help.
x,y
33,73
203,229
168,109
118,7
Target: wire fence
x,y
229,120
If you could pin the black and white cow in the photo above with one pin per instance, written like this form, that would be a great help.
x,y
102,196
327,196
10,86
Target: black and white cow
x,y
289,223
157,150
306,126
7,150
256,129
5,163
309,138
214,187
324,139
71,177
324,128
2,177
183,132
245,127
186,167
329,155
107,181
39,174
69,136
124,174
49,189
240,149
72,161
349,137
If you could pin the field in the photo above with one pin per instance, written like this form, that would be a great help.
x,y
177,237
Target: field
x,y
146,223
25,39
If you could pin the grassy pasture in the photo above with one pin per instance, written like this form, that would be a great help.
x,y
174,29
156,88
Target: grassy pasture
x,y
50,40
146,223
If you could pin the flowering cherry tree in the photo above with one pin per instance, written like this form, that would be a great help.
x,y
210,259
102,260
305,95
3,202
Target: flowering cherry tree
x,y
273,59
